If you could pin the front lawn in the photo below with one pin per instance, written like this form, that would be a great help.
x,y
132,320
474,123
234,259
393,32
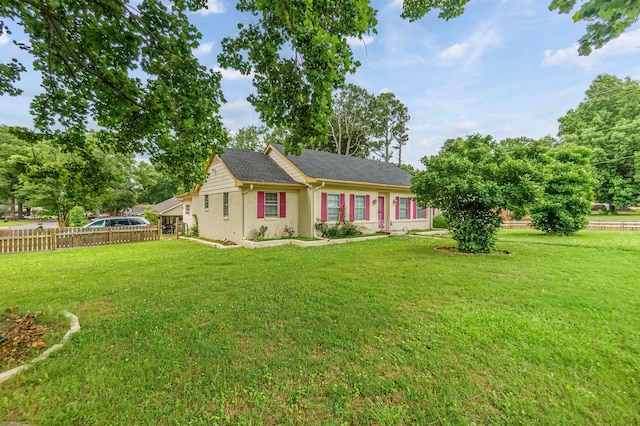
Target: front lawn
x,y
380,332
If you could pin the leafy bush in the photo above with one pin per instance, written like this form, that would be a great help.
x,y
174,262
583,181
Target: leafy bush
x,y
440,221
151,215
261,233
194,228
340,229
289,232
565,204
77,217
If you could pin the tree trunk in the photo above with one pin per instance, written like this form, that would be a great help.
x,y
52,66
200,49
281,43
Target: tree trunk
x,y
12,211
20,216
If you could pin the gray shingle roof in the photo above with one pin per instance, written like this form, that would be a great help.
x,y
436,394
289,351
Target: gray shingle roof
x,y
326,165
165,205
250,166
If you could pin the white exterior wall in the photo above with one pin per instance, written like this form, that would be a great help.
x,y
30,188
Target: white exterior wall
x,y
275,225
391,224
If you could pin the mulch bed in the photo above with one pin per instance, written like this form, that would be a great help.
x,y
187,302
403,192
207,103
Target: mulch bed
x,y
454,250
20,336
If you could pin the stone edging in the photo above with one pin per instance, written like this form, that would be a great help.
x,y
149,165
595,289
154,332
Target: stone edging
x,y
274,243
74,327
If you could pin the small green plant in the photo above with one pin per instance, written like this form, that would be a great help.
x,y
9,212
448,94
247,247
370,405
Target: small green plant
x,y
261,233
289,232
340,229
77,216
194,228
440,221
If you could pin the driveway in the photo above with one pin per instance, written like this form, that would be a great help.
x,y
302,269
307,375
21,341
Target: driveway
x,y
47,224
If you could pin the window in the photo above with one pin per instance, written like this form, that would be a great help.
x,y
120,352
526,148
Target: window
x,y
420,213
404,208
206,202
271,204
225,204
360,208
333,207
187,209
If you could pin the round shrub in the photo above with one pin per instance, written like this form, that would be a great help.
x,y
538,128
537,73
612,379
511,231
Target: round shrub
x,y
439,221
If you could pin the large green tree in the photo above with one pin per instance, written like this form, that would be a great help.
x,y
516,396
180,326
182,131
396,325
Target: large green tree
x,y
153,186
128,67
608,121
298,55
54,180
13,152
390,117
606,19
351,123
564,203
472,180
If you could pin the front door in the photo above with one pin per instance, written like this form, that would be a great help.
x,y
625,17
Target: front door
x,y
380,212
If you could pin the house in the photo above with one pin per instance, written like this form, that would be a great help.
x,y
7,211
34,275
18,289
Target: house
x,y
247,190
170,213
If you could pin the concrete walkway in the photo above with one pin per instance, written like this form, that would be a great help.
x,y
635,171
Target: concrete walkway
x,y
433,232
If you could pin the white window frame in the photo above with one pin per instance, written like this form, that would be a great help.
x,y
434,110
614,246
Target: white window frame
x,y
360,212
271,204
187,209
404,209
333,207
225,204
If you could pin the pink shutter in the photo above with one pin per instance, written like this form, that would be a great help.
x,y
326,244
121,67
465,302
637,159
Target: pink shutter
x,y
342,206
323,206
415,210
283,204
352,207
260,204
367,201
409,208
397,208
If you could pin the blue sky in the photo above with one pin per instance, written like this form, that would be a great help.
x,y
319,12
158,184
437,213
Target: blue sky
x,y
507,68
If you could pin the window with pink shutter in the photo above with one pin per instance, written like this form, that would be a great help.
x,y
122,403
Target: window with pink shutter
x,y
283,204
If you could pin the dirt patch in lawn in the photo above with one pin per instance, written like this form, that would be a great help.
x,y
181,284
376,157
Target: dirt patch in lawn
x,y
23,336
454,250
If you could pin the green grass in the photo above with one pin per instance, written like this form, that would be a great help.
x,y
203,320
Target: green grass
x,y
621,216
380,332
4,223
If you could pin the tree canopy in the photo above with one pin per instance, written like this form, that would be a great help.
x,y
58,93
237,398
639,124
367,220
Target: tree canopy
x,y
472,180
129,69
298,55
608,121
607,19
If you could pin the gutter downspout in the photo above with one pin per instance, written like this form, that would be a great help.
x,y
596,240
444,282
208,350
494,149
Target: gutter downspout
x,y
244,212
313,208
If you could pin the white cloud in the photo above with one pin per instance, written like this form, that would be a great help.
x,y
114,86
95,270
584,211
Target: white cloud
x,y
468,126
213,7
357,41
626,44
473,48
238,105
203,50
232,74
4,39
455,51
